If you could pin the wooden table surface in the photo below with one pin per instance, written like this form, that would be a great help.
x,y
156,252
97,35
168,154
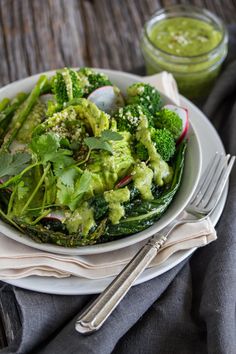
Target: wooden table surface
x,y
39,35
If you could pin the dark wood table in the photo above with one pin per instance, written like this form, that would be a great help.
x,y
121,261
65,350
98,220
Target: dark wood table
x,y
39,35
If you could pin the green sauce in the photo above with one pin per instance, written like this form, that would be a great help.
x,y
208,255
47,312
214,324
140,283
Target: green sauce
x,y
192,49
115,198
184,36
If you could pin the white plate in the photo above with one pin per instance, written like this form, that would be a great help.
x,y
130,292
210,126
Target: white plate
x,y
190,178
210,143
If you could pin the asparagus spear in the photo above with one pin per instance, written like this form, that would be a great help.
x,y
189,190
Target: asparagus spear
x,y
7,113
4,103
23,113
11,108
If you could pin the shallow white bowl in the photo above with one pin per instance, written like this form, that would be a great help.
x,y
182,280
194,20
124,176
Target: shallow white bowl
x,y
192,170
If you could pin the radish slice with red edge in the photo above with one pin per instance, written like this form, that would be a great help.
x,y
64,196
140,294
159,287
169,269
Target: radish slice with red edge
x,y
183,114
124,181
107,98
58,215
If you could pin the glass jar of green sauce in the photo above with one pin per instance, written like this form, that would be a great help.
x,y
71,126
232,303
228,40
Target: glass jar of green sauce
x,y
189,42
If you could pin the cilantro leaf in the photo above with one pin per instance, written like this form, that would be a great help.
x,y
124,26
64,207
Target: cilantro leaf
x,y
61,160
64,193
11,165
84,183
81,187
45,146
101,143
110,135
70,195
98,144
68,176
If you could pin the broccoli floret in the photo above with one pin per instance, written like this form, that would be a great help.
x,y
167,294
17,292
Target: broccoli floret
x,y
164,143
145,95
129,117
67,85
141,151
169,120
92,80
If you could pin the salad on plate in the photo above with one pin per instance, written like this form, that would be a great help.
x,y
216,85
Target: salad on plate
x,y
83,163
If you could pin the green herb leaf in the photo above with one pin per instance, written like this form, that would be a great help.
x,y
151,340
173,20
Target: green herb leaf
x,y
110,135
11,165
64,193
47,148
101,143
98,144
70,195
68,176
84,183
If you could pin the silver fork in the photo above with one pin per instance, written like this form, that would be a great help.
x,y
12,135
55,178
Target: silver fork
x,y
203,202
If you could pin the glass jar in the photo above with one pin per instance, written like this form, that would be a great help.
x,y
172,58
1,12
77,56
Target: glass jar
x,y
194,63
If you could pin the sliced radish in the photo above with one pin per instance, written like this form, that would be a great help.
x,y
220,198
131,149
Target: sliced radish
x,y
124,181
183,114
107,98
56,215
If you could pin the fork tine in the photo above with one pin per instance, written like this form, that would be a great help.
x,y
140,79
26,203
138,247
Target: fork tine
x,y
205,179
208,191
220,185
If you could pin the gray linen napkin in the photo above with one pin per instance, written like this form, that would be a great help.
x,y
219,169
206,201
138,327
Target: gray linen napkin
x,y
189,309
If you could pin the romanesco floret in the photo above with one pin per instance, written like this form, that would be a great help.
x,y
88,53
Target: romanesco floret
x,y
164,143
169,120
67,85
92,80
64,123
145,95
129,117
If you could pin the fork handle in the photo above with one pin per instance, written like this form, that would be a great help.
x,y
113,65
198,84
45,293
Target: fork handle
x,y
97,313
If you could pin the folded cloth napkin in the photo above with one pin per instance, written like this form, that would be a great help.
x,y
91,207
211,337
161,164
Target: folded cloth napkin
x,y
18,260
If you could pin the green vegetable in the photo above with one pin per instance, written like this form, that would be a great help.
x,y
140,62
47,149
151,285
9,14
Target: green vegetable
x,y
104,176
35,117
164,143
128,118
141,151
72,195
23,113
4,103
73,122
8,110
169,120
145,95
142,214
66,85
11,165
101,143
47,148
92,80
